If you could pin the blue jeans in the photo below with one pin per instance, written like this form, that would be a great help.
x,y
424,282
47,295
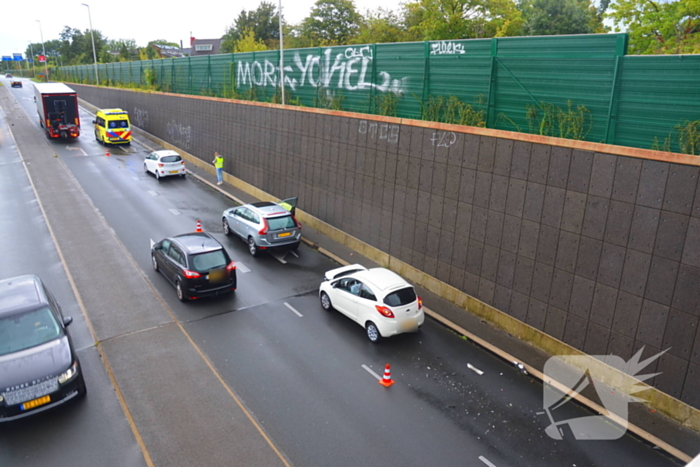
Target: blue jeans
x,y
220,175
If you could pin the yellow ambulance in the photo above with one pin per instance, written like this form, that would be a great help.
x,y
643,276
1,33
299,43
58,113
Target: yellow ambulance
x,y
112,126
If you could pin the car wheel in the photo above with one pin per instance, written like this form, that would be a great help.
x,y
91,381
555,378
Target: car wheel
x,y
157,176
180,293
97,138
295,246
227,228
82,389
154,262
252,247
183,175
145,168
372,332
326,301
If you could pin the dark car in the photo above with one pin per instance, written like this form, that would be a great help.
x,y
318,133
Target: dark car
x,y
196,264
16,83
38,365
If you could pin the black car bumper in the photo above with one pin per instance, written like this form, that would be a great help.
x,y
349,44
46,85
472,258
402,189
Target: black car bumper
x,y
201,289
65,393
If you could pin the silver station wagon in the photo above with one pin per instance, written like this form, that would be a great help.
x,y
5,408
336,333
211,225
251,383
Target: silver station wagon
x,y
264,225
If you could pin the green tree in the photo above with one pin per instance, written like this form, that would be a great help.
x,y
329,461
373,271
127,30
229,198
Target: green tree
x,y
551,17
331,22
76,46
121,50
464,19
380,26
670,27
263,21
248,43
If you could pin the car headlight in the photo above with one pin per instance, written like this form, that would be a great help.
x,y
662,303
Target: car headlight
x,y
1,398
69,373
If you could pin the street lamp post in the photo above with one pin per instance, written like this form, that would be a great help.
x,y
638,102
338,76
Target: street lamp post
x,y
279,13
92,35
43,48
33,58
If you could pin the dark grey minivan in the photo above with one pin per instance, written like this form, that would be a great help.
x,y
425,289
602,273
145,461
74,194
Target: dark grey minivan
x,y
39,368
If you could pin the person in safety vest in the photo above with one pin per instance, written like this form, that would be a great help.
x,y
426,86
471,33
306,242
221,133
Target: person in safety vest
x,y
219,164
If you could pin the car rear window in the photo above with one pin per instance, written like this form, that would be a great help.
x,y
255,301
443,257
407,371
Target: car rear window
x,y
171,159
279,223
28,330
204,262
401,297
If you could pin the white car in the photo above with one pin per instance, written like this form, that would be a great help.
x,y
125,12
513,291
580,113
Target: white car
x,y
164,163
377,299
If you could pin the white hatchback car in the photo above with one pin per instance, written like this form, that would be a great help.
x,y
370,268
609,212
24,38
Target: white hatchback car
x,y
164,163
377,299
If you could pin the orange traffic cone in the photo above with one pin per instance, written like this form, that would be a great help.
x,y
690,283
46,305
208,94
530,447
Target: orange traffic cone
x,y
199,227
386,381
107,153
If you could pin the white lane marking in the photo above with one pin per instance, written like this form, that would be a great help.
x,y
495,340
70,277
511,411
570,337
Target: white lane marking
x,y
70,148
371,372
486,461
294,253
242,267
278,258
175,212
474,369
152,193
292,308
123,149
135,178
152,243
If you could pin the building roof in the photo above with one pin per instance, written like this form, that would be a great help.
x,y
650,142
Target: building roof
x,y
205,47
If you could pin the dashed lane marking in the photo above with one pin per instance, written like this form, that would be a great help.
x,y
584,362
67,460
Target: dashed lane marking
x,y
486,461
475,369
293,309
175,212
135,178
294,253
152,193
242,267
279,257
371,372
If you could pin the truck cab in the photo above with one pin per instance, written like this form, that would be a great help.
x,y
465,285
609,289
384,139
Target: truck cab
x,y
112,126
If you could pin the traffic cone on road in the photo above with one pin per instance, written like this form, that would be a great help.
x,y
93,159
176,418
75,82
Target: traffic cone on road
x,y
386,381
199,227
107,153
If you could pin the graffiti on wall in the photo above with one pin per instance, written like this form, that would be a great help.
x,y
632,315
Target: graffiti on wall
x,y
446,48
375,130
443,139
180,134
140,117
350,70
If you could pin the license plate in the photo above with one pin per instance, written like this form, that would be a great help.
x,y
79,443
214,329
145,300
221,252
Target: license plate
x,y
174,171
285,234
36,403
217,276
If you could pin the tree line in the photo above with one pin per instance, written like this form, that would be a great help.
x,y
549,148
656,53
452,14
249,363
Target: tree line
x,y
655,27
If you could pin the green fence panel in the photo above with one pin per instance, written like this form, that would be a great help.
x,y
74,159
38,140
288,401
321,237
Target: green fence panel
x,y
578,86
656,93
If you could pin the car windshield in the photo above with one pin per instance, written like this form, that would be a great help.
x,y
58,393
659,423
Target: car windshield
x,y
203,262
401,297
170,159
279,223
26,330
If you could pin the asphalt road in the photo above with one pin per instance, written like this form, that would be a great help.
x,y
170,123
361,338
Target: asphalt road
x,y
307,377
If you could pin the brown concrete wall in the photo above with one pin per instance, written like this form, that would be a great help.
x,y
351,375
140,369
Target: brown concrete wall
x,y
598,246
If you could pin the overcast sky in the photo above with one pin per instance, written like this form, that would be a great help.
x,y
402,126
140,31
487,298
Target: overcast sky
x,y
142,20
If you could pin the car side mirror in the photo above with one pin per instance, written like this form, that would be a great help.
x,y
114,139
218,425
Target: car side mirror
x,y
94,121
67,320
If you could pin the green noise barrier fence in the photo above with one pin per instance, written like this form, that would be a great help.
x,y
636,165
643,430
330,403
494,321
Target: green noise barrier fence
x,y
579,87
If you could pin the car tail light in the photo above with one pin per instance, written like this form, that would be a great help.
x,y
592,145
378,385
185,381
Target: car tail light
x,y
420,303
191,274
231,266
266,226
182,162
297,222
384,311
161,165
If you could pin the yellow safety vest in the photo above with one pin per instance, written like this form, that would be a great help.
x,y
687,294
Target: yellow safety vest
x,y
219,162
